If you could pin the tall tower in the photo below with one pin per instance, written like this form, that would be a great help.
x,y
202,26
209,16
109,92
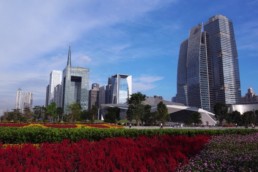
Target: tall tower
x,y
23,100
225,80
94,96
75,83
55,79
208,70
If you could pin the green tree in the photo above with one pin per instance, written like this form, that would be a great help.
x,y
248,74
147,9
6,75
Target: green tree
x,y
256,117
51,112
14,116
39,112
59,112
234,117
113,115
162,111
135,107
147,115
220,110
75,112
27,114
85,115
248,118
93,113
196,118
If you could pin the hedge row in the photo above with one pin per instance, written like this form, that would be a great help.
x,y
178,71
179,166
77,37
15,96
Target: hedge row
x,y
10,135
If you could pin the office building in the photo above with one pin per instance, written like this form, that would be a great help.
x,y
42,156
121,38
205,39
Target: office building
x,y
55,79
208,71
102,95
58,95
75,85
47,96
94,96
23,100
250,97
119,89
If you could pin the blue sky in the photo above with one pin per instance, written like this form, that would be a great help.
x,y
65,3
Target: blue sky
x,y
136,37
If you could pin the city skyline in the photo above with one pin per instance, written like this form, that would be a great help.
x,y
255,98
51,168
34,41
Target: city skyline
x,y
139,38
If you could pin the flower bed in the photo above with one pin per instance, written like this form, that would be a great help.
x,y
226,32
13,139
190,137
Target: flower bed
x,y
53,125
159,153
227,153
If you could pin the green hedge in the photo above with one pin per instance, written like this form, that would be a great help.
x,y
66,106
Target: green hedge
x,y
10,135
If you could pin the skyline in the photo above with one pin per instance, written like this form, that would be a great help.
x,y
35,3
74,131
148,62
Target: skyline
x,y
138,38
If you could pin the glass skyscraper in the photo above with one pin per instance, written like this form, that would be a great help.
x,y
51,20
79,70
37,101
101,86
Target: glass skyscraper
x,y
120,88
75,84
208,70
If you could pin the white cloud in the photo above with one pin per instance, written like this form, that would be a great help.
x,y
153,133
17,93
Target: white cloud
x,y
145,83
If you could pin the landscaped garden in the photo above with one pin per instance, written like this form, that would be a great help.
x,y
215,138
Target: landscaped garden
x,y
81,148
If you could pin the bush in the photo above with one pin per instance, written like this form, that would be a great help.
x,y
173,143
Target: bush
x,y
39,135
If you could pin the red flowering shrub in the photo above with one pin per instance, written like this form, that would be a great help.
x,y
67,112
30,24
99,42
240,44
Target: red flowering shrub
x,y
159,153
12,124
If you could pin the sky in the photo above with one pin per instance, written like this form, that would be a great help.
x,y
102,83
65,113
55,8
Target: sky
x,y
135,37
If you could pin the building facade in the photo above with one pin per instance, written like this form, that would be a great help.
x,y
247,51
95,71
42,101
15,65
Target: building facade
x,y
208,71
119,89
58,95
23,100
94,96
55,79
250,97
75,83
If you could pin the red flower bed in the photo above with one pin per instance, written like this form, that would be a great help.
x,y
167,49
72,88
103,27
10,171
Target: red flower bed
x,y
12,124
159,153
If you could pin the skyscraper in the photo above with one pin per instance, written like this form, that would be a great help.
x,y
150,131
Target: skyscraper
x,y
208,70
55,79
94,95
75,85
23,100
119,89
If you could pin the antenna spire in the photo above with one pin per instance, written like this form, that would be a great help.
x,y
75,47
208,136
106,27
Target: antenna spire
x,y
69,57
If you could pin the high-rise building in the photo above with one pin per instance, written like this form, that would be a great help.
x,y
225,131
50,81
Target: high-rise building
x,y
47,96
75,85
208,71
102,95
23,100
120,88
54,80
58,95
94,95
250,97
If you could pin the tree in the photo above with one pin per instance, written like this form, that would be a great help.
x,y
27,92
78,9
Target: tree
x,y
162,112
14,116
51,111
113,115
93,113
220,110
59,112
196,118
147,118
248,118
27,113
39,112
135,107
75,111
234,117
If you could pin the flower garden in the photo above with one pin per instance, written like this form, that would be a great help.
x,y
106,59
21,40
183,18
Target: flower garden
x,y
53,125
50,147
